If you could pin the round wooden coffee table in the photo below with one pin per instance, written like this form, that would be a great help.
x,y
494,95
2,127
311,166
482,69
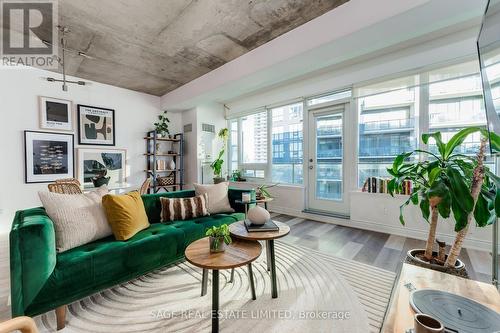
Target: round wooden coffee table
x,y
238,230
238,253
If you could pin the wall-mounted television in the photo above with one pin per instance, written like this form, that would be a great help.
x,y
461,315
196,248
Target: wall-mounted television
x,y
488,46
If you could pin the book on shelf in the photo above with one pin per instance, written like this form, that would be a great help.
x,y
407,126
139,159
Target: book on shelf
x,y
380,185
268,226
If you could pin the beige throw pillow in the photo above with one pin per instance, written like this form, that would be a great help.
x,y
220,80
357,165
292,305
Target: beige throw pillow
x,y
78,218
218,200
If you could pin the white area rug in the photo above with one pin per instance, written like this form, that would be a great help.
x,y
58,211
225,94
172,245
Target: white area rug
x,y
317,293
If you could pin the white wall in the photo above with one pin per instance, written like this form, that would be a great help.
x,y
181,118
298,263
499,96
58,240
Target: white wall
x,y
190,147
196,144
380,212
19,90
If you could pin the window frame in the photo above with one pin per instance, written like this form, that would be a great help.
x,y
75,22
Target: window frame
x,y
266,167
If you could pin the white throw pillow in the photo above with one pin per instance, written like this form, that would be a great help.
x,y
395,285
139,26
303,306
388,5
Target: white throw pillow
x,y
78,218
218,200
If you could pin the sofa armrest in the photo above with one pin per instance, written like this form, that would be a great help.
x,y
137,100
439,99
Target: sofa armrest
x,y
235,194
32,256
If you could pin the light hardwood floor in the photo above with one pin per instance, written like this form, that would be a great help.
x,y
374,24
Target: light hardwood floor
x,y
373,248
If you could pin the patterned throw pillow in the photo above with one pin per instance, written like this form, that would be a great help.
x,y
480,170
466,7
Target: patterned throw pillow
x,y
173,209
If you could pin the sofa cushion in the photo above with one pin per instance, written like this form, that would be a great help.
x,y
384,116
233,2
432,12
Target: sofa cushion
x,y
183,208
218,199
78,218
153,206
126,214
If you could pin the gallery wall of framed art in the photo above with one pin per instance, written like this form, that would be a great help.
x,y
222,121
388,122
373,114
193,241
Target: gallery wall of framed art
x,y
48,156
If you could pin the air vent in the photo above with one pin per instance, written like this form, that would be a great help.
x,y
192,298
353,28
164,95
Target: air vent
x,y
188,128
208,128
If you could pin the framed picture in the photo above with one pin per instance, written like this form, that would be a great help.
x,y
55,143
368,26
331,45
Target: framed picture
x,y
48,156
96,126
98,162
56,114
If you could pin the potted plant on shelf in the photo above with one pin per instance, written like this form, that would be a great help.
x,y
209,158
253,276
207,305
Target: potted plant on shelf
x,y
217,164
447,184
161,126
219,238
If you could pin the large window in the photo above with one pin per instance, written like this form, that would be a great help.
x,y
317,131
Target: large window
x,y
392,115
287,139
386,126
456,102
254,145
447,100
280,161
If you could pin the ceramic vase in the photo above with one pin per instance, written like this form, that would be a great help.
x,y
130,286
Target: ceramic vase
x,y
258,215
171,165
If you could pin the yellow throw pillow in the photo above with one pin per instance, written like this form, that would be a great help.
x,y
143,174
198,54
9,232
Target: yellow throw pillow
x,y
126,214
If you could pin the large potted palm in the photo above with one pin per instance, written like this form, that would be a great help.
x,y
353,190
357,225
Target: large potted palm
x,y
447,183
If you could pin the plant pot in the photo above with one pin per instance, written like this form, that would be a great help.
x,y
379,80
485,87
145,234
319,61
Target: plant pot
x,y
458,270
100,181
217,244
218,180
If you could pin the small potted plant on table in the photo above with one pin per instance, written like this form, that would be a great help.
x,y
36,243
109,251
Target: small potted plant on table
x,y
219,238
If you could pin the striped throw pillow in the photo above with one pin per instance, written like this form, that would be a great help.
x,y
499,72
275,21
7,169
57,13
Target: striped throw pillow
x,y
173,209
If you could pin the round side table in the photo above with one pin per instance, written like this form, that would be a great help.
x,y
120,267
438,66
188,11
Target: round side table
x,y
238,230
238,253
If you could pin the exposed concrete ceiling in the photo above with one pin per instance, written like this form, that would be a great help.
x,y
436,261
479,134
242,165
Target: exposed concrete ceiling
x,y
155,46
358,31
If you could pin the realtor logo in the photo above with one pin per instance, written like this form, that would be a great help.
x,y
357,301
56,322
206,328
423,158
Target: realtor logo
x,y
29,33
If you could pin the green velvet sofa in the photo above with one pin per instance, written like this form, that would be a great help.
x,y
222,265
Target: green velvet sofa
x,y
42,280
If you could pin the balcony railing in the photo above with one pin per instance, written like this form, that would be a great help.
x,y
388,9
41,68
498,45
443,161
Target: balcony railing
x,y
367,151
466,148
326,153
329,130
280,138
383,125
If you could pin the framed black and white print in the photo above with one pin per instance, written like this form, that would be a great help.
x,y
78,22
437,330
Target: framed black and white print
x,y
96,126
56,114
48,156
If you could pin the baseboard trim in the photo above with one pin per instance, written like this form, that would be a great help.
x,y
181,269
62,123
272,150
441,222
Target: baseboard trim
x,y
323,213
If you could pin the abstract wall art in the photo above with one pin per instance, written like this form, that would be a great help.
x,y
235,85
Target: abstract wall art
x,y
48,156
95,162
56,114
96,126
